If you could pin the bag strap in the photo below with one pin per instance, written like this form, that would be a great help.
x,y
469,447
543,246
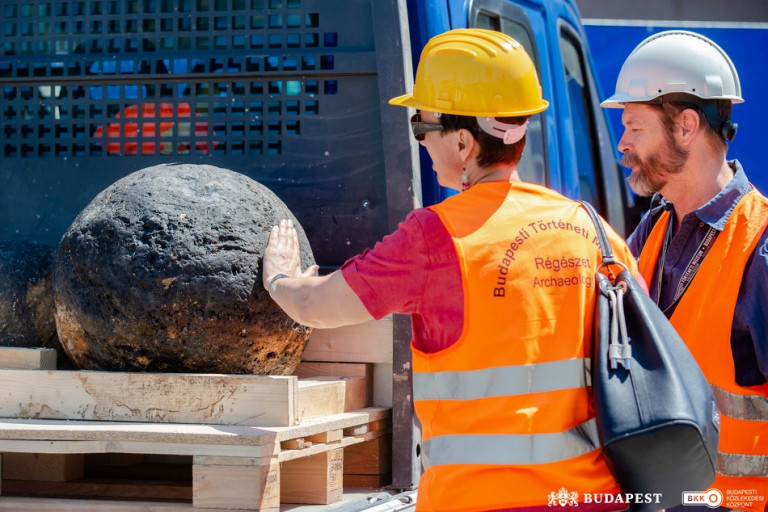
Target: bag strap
x,y
619,349
602,236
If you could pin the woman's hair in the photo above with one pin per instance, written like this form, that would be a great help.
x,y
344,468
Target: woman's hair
x,y
492,149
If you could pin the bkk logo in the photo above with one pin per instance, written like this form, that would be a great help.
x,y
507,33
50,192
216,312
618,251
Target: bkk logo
x,y
711,498
564,498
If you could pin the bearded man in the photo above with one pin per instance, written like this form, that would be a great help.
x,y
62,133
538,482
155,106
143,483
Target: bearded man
x,y
702,247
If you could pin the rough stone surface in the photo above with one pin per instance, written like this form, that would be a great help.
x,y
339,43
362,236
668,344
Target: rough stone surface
x,y
162,272
26,296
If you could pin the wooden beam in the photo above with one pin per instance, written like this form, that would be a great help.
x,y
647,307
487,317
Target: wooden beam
x,y
250,487
96,488
28,358
359,380
369,342
43,467
317,479
15,504
51,436
372,457
320,397
206,399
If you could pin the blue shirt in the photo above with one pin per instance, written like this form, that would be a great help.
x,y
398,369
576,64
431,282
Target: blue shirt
x,y
749,334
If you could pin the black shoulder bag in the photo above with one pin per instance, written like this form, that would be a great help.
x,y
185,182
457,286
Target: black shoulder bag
x,y
656,416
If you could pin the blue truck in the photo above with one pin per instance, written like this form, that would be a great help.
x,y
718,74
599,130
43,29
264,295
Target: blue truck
x,y
289,92
292,93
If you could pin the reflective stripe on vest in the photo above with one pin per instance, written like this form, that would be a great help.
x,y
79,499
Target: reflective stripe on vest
x,y
514,449
741,407
503,381
737,464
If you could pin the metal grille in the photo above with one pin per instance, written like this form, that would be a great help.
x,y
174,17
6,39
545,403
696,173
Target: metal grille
x,y
287,92
160,77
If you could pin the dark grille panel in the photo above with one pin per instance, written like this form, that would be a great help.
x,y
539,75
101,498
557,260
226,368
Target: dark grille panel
x,y
284,91
148,67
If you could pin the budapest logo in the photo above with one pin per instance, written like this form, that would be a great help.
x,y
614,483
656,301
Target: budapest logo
x,y
563,498
711,498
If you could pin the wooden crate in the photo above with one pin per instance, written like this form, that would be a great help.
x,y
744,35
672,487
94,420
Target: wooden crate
x,y
247,442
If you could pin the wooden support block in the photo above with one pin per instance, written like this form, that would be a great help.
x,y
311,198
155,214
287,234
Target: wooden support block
x,y
244,486
320,397
308,369
101,488
358,377
369,342
372,457
28,358
323,396
245,400
358,393
367,481
43,467
315,480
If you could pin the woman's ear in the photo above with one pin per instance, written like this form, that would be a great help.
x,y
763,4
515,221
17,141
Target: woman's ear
x,y
466,143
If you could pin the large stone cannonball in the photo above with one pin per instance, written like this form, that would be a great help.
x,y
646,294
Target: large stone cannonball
x,y
26,295
162,272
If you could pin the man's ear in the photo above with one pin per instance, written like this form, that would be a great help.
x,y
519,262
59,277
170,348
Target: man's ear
x,y
690,125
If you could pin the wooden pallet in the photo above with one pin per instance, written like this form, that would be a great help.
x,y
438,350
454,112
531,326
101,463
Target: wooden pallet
x,y
247,442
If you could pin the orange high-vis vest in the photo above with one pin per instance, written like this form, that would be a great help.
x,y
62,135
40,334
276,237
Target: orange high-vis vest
x,y
506,412
703,318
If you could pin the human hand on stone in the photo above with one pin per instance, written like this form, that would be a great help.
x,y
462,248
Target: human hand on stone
x,y
282,256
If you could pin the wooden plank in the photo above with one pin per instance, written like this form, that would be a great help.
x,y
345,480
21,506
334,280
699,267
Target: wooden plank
x,y
102,488
367,481
206,399
308,369
16,504
167,448
369,342
323,396
320,397
28,358
236,486
372,457
359,394
50,436
47,467
317,479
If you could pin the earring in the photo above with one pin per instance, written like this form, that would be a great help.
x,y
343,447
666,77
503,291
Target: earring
x,y
464,179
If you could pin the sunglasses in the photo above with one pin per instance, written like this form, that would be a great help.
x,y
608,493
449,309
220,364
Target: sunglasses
x,y
419,128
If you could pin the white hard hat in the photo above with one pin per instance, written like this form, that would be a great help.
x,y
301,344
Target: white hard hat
x,y
676,62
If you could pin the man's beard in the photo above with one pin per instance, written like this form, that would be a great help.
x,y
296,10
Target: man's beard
x,y
652,173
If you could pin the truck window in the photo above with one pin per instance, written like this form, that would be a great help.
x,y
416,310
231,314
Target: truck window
x,y
532,165
581,120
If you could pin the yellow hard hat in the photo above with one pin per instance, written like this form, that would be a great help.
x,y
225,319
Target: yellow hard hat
x,y
475,72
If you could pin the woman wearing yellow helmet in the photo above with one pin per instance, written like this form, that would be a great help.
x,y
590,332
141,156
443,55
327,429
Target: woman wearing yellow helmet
x,y
498,282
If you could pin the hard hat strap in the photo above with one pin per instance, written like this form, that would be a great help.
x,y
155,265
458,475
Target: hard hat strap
x,y
509,133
